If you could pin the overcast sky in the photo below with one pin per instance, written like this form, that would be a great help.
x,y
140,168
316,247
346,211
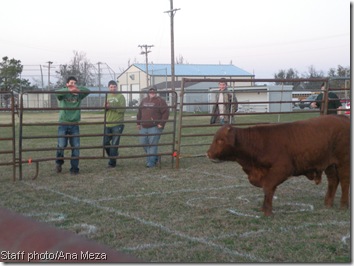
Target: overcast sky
x,y
259,36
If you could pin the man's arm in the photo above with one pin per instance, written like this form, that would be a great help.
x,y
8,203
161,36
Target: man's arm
x,y
85,91
60,93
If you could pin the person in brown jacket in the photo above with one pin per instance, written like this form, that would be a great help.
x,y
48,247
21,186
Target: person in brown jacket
x,y
152,115
225,105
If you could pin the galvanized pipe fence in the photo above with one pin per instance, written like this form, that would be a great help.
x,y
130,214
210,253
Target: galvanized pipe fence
x,y
32,133
192,144
188,131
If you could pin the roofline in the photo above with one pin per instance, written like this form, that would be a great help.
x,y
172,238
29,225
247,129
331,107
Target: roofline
x,y
163,75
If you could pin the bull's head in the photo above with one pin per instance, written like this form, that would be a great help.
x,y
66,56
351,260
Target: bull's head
x,y
223,146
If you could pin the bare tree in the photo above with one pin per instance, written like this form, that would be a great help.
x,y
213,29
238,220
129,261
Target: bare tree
x,y
288,74
79,67
180,60
338,80
313,73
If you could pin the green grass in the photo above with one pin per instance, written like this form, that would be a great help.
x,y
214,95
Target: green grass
x,y
202,212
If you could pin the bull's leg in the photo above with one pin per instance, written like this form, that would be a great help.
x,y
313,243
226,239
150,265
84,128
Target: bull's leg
x,y
267,206
344,179
333,181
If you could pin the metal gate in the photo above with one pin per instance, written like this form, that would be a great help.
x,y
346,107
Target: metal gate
x,y
194,138
30,145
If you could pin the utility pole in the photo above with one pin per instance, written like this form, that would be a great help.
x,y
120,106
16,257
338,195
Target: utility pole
x,y
49,63
40,66
146,47
172,13
99,81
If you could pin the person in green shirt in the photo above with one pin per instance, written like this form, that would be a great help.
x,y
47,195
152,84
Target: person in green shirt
x,y
115,109
68,130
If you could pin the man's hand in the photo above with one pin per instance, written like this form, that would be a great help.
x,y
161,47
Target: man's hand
x,y
313,105
73,89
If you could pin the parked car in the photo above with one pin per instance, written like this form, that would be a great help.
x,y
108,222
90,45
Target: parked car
x,y
346,106
307,102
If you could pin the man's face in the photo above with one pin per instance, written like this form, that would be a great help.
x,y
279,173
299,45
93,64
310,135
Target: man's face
x,y
112,88
152,94
222,85
71,83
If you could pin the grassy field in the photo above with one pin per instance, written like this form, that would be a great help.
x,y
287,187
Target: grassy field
x,y
202,212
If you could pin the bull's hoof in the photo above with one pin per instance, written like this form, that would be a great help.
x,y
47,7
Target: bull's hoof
x,y
268,214
328,202
344,206
328,205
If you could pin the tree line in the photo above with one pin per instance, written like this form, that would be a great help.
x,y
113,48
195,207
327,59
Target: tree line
x,y
333,73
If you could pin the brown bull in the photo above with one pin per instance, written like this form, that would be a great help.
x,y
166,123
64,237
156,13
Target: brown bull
x,y
270,154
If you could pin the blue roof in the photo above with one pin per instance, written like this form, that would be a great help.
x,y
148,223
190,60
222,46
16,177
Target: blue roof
x,y
194,70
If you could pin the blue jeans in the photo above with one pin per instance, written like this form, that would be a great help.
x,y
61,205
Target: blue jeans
x,y
112,141
63,132
153,140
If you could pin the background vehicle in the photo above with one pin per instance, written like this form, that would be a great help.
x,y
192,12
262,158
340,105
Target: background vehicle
x,y
307,102
346,105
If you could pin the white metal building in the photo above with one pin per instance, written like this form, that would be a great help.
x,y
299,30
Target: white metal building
x,y
134,79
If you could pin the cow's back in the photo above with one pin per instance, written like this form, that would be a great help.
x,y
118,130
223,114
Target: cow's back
x,y
321,141
313,143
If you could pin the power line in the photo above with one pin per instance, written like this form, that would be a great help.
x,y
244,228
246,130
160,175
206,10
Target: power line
x,y
145,51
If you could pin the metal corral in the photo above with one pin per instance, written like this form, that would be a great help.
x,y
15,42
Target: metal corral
x,y
263,99
194,102
8,107
23,124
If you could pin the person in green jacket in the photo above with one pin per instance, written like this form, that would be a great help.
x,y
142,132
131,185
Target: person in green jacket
x,y
334,104
68,130
115,109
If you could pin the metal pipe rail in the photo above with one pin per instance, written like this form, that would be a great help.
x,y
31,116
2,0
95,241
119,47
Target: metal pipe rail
x,y
23,136
236,86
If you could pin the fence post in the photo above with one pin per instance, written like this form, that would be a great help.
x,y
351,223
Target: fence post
x,y
179,130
